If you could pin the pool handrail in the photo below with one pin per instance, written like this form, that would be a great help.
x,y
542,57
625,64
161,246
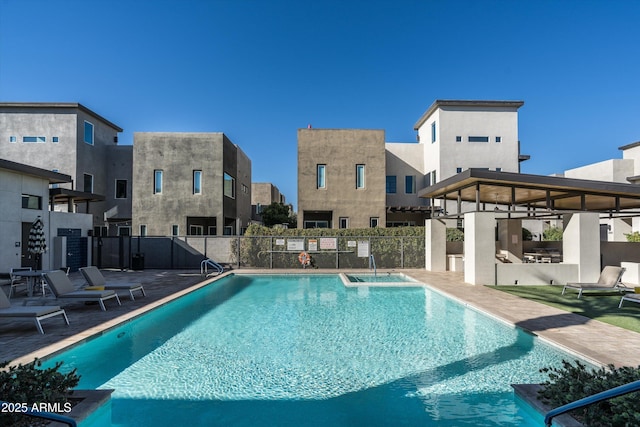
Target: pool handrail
x,y
45,415
372,262
206,263
590,400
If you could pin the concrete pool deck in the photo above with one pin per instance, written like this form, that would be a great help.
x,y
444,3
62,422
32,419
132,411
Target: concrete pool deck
x,y
598,342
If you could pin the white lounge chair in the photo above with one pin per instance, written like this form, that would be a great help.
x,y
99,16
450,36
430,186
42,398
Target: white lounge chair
x,y
631,297
95,278
37,313
62,288
609,280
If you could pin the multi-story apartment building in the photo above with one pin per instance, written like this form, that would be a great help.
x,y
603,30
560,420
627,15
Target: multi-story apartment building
x,y
262,195
189,184
341,178
452,136
71,139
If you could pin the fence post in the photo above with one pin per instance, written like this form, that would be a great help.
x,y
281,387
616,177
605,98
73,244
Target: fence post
x,y
238,252
271,252
401,251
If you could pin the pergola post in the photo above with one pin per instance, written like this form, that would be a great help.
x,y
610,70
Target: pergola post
x,y
435,245
581,244
479,248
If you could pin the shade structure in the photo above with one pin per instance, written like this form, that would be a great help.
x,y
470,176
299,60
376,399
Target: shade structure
x,y
37,241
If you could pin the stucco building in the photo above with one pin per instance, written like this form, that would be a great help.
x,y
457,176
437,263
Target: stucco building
x,y
189,184
453,136
71,139
341,178
262,195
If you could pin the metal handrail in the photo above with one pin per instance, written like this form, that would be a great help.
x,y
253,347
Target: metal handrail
x,y
45,415
590,400
372,262
204,266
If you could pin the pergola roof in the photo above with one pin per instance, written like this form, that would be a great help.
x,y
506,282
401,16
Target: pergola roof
x,y
551,193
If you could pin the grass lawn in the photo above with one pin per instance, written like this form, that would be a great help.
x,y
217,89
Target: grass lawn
x,y
595,305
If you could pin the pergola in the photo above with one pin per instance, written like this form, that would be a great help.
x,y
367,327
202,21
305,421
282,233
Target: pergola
x,y
534,195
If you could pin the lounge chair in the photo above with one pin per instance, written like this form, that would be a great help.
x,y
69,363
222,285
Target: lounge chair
x,y
62,288
96,279
632,297
36,313
17,280
609,280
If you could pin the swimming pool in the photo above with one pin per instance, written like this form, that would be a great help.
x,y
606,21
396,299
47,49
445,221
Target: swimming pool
x,y
251,350
350,279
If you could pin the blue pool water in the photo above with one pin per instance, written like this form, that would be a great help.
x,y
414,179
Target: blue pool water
x,y
271,350
380,278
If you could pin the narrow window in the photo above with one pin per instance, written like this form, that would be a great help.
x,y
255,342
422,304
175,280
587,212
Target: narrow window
x,y
391,184
124,231
498,169
433,177
175,230
157,181
196,230
55,139
143,230
321,176
88,183
229,186
498,139
343,222
478,139
197,182
12,139
212,230
37,139
373,221
458,139
458,170
121,188
433,132
359,176
88,133
409,184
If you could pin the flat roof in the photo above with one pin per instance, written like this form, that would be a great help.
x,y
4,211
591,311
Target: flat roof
x,y
464,103
52,177
60,105
59,195
552,193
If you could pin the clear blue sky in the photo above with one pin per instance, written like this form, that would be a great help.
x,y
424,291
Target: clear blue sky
x,y
258,70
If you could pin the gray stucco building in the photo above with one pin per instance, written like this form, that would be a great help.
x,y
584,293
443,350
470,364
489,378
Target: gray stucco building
x,y
189,184
71,139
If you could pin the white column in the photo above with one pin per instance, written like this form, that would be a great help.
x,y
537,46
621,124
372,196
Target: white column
x,y
581,244
479,248
435,245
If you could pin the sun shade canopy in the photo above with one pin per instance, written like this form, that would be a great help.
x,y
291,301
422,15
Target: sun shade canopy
x,y
549,193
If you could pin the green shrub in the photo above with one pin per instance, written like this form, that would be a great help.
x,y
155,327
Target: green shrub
x,y
30,385
526,235
552,234
455,235
571,383
633,237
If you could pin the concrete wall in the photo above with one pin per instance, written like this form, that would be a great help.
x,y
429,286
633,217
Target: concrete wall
x,y
341,150
243,193
614,170
536,274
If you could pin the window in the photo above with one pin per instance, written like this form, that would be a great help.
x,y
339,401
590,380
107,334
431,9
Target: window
x,y
498,139
88,133
227,230
391,184
478,139
433,177
458,170
55,185
124,231
55,139
196,230
433,132
212,230
321,176
31,202
359,176
12,139
229,186
409,184
498,169
458,139
316,224
373,221
39,139
245,189
88,183
175,230
157,181
121,188
197,182
143,230
343,222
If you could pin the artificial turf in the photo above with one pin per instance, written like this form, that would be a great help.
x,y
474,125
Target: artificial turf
x,y
594,305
